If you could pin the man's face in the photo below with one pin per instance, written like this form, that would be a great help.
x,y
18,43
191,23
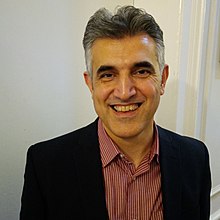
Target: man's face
x,y
126,84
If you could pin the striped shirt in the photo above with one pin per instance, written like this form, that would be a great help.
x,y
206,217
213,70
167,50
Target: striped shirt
x,y
131,193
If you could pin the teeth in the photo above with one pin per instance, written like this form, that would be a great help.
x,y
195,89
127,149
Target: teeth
x,y
125,108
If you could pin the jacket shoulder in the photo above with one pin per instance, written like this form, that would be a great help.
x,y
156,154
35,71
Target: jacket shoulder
x,y
186,144
65,143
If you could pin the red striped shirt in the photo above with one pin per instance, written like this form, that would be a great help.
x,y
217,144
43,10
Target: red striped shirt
x,y
131,193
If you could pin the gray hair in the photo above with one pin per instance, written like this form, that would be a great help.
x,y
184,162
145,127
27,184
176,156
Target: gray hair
x,y
127,21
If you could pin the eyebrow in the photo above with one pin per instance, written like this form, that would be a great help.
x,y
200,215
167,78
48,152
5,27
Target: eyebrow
x,y
145,64
104,68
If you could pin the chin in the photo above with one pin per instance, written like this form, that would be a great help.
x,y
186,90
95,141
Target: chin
x,y
128,132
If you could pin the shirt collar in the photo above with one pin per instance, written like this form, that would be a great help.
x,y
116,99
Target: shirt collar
x,y
109,151
155,149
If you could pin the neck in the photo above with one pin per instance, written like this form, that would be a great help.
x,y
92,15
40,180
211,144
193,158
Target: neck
x,y
135,148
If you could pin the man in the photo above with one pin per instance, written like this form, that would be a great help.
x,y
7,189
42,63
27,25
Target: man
x,y
122,166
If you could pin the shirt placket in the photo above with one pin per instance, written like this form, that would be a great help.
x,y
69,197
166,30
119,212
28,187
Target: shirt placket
x,y
132,193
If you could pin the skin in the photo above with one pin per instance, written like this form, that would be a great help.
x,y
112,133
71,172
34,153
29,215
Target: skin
x,y
126,87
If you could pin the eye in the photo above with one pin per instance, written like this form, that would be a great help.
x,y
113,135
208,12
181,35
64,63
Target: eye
x,y
142,72
106,76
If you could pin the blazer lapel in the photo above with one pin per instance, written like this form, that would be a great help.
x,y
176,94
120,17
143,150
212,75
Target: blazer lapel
x,y
170,176
89,170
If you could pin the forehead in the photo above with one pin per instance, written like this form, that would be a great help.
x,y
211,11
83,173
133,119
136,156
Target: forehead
x,y
123,52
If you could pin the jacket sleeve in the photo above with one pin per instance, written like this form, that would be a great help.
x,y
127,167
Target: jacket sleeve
x,y
32,202
205,190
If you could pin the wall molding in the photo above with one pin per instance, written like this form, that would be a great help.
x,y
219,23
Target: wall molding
x,y
215,216
211,53
215,191
198,48
195,19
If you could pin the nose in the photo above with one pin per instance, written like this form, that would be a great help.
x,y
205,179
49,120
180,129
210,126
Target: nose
x,y
125,88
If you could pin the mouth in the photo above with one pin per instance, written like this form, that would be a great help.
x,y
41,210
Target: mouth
x,y
125,108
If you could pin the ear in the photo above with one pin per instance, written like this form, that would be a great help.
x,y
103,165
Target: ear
x,y
88,81
164,78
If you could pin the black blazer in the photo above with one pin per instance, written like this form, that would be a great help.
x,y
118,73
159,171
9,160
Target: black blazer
x,y
64,181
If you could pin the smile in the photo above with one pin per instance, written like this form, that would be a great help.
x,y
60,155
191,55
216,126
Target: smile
x,y
125,108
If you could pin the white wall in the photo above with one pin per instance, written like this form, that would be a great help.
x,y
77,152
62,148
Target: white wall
x,y
42,93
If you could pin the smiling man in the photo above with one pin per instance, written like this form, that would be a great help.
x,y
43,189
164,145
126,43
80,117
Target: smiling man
x,y
126,84
123,166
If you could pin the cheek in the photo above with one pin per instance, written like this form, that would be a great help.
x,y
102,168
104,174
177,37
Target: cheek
x,y
100,94
151,89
